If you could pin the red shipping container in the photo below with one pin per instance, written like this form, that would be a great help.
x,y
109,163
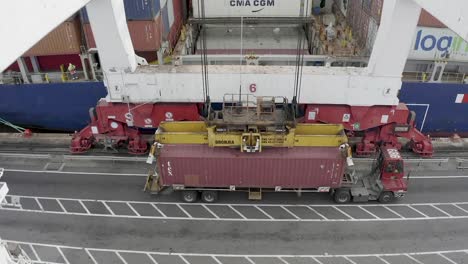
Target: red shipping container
x,y
427,20
145,35
203,166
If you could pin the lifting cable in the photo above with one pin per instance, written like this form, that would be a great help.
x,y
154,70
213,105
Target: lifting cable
x,y
15,127
299,63
204,57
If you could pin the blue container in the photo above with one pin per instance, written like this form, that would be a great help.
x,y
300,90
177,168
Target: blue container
x,y
165,20
134,10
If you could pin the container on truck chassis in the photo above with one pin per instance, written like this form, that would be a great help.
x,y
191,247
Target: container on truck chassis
x,y
257,146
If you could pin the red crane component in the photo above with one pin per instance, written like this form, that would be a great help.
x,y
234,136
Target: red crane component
x,y
378,126
115,125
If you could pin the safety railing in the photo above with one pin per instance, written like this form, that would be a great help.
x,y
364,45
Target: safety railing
x,y
447,77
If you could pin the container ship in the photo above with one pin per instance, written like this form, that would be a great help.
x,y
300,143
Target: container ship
x,y
38,91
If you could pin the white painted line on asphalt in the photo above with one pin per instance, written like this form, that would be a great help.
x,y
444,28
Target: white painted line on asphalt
x,y
237,211
417,211
151,258
249,260
36,256
91,256
413,258
369,212
80,173
289,212
157,209
440,210
216,260
383,260
84,206
63,256
39,203
446,258
282,260
61,206
133,209
316,260
316,212
108,208
342,212
121,258
209,210
185,212
461,208
350,260
183,256
263,211
394,212
184,260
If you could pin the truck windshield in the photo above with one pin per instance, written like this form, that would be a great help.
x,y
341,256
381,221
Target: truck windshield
x,y
394,167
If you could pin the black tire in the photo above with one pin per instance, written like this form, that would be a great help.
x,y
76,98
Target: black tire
x,y
209,196
342,196
386,197
189,196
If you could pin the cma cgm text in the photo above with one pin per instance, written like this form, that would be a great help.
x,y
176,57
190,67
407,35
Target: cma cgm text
x,y
252,2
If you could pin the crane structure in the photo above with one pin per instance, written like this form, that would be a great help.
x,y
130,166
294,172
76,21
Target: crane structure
x,y
364,100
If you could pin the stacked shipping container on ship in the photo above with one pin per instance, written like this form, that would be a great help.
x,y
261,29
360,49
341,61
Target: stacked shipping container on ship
x,y
60,46
150,23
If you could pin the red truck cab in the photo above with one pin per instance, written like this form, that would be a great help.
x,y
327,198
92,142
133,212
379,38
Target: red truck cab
x,y
392,173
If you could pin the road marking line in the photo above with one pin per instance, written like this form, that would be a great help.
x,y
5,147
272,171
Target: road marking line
x,y
316,212
91,256
216,260
121,258
249,260
369,212
63,255
108,208
383,260
461,208
39,204
151,258
440,210
261,210
446,258
182,257
394,212
342,212
35,253
84,207
80,173
185,212
282,260
413,258
61,206
133,209
235,210
417,211
211,212
316,260
159,210
350,260
289,212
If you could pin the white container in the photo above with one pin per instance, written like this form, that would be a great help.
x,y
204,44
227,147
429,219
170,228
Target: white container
x,y
252,8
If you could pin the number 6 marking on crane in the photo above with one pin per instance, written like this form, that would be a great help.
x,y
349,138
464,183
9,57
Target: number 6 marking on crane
x,y
253,88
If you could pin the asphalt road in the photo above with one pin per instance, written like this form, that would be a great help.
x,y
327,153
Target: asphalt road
x,y
103,180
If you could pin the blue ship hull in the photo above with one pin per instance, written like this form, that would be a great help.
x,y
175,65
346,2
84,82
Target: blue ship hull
x,y
64,106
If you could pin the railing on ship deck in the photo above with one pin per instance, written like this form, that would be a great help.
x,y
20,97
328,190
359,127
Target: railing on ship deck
x,y
447,77
44,77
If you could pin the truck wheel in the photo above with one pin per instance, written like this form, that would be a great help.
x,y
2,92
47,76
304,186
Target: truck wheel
x,y
209,196
189,196
386,197
342,196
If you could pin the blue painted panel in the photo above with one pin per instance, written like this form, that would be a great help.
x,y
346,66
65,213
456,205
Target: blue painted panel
x,y
165,20
60,106
134,10
443,115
